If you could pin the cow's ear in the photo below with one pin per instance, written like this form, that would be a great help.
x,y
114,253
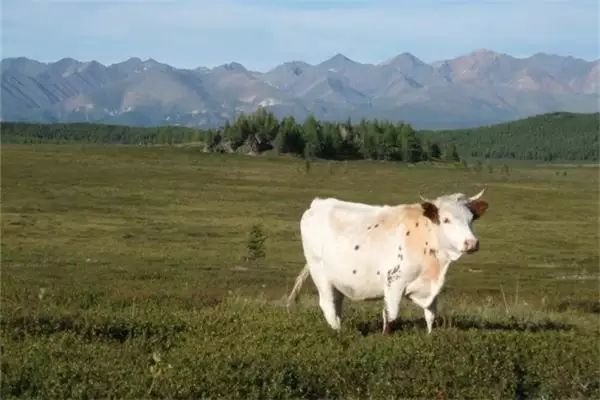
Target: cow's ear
x,y
478,208
431,211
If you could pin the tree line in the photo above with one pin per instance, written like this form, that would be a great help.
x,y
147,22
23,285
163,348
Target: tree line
x,y
547,137
256,132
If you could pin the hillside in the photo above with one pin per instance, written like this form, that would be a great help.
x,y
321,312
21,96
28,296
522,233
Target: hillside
x,y
470,90
552,136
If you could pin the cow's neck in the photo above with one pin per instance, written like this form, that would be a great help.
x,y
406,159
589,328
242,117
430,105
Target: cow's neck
x,y
446,250
451,254
444,258
446,255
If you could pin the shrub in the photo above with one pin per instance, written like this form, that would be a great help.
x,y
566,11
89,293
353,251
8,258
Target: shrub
x,y
256,249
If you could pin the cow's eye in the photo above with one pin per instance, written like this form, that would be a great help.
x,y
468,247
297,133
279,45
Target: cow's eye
x,y
446,220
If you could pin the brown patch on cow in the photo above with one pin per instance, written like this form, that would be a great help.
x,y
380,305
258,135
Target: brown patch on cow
x,y
417,245
356,247
354,271
389,222
420,242
368,227
433,268
431,212
403,215
478,208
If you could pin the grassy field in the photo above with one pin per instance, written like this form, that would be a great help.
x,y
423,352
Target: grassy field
x,y
123,276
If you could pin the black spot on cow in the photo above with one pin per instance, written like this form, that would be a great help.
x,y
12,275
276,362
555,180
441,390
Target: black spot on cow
x,y
416,225
368,227
424,250
407,233
378,273
354,271
356,247
426,243
393,274
376,225
432,252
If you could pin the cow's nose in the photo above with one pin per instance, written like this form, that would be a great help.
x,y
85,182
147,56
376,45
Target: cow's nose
x,y
471,245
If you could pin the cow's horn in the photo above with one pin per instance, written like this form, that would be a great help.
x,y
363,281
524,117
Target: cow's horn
x,y
477,196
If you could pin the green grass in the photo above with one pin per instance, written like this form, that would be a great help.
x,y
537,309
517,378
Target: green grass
x,y
111,255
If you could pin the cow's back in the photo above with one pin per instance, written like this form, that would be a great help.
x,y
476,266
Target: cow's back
x,y
333,216
328,219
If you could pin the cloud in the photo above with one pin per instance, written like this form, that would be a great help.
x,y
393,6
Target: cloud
x,y
263,33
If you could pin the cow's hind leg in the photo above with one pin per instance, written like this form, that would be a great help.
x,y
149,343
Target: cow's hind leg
x,y
330,301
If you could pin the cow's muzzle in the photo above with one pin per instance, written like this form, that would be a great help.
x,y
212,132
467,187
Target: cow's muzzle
x,y
471,246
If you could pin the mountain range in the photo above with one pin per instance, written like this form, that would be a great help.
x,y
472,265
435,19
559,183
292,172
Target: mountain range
x,y
479,88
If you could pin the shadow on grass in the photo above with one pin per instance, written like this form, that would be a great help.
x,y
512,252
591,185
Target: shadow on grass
x,y
463,322
20,327
586,306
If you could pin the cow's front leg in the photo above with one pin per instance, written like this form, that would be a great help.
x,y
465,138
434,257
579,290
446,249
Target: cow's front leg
x,y
430,314
393,291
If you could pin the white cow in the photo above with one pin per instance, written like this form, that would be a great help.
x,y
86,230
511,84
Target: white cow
x,y
367,252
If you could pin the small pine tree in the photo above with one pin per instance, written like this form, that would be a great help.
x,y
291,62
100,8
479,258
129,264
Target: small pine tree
x,y
307,166
256,243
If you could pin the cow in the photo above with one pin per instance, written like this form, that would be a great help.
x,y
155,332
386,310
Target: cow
x,y
374,252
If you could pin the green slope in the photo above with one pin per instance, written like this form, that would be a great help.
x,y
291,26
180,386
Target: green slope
x,y
551,136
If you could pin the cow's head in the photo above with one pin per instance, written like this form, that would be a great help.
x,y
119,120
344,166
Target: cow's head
x,y
454,215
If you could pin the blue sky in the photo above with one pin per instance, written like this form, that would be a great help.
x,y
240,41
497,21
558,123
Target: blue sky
x,y
263,33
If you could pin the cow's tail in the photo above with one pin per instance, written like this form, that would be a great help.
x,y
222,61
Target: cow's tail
x,y
298,285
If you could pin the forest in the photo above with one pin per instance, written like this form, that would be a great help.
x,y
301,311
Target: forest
x,y
546,137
